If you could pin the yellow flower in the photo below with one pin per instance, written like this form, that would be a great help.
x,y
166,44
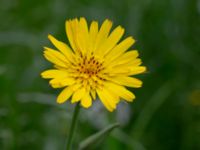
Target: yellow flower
x,y
96,63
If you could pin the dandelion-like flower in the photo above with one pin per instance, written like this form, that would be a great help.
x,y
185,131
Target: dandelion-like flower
x,y
97,63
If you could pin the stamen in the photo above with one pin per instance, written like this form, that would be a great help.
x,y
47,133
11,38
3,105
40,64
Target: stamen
x,y
88,71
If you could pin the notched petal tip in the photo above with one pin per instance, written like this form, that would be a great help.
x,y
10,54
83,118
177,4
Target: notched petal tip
x,y
59,102
86,105
49,36
144,69
93,24
109,20
132,39
86,101
72,20
43,74
130,100
67,21
45,48
83,18
111,110
121,28
64,95
139,84
136,52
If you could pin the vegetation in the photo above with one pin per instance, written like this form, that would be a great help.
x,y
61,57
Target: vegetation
x,y
166,112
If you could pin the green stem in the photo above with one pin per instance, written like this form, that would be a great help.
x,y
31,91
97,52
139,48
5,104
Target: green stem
x,y
73,126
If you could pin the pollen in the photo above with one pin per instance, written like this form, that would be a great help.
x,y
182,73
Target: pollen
x,y
89,66
89,70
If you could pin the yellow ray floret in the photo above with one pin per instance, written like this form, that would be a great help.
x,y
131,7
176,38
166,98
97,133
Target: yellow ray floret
x,y
95,64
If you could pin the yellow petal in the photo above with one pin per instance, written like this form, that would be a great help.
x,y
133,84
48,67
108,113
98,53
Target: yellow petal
x,y
137,70
103,33
107,100
75,30
78,95
55,57
120,91
117,71
62,47
76,86
82,35
93,94
112,98
125,70
134,63
111,41
70,34
64,95
57,85
127,81
68,81
86,101
127,65
92,35
120,49
54,73
61,82
125,58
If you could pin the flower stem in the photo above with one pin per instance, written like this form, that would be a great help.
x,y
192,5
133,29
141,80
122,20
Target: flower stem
x,y
73,126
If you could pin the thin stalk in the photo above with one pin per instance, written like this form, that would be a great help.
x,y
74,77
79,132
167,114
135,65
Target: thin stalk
x,y
73,126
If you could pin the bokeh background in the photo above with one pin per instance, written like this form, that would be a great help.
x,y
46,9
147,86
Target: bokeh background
x,y
166,113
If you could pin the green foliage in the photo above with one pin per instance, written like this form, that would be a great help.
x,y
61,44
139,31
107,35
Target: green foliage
x,y
165,114
93,140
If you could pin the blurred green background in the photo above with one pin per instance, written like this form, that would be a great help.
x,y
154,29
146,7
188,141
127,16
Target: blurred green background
x,y
166,113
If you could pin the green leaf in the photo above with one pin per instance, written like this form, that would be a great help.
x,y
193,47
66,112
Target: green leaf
x,y
97,137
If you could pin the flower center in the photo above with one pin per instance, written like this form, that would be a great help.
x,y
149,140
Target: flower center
x,y
89,71
89,67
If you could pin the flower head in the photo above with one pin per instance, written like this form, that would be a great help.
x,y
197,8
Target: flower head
x,y
97,63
